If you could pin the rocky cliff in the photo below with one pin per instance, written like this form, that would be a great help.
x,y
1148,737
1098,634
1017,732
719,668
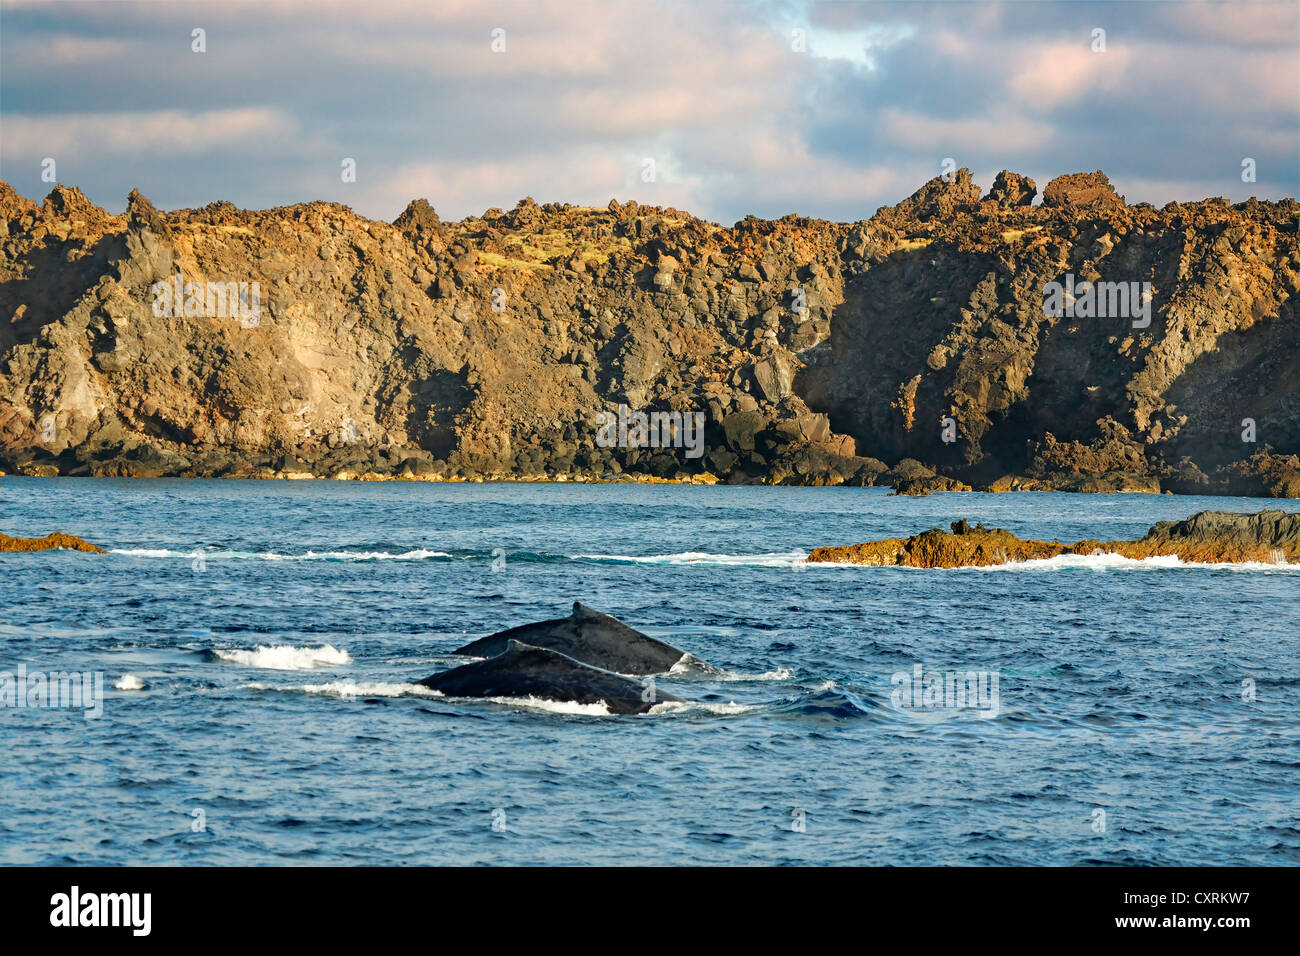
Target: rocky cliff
x,y
915,348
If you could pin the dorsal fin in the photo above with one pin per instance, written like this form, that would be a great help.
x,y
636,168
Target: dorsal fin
x,y
581,611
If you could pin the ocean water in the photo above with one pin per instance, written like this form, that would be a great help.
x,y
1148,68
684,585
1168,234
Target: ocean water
x,y
266,636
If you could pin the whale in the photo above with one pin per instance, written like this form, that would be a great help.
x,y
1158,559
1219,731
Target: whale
x,y
589,637
525,670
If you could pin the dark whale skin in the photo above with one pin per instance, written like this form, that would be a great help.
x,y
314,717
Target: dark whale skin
x,y
589,637
522,670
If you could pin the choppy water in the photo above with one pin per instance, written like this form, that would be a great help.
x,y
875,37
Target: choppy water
x,y
1120,683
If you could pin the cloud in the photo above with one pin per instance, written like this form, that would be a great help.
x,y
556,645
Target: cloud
x,y
129,134
737,120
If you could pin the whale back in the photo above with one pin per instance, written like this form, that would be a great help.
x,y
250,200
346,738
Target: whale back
x,y
588,636
525,670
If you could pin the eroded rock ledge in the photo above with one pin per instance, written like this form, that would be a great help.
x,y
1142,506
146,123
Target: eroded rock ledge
x,y
1210,537
50,542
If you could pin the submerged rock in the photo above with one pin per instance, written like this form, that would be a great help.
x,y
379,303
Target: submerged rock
x,y
1210,536
923,485
50,542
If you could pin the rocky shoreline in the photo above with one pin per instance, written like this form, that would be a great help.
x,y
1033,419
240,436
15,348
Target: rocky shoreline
x,y
911,350
1271,537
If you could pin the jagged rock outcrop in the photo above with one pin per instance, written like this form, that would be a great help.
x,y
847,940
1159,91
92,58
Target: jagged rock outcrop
x,y
1082,191
1012,189
50,542
306,340
1210,536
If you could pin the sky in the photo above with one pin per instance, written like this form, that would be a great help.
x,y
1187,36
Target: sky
x,y
722,108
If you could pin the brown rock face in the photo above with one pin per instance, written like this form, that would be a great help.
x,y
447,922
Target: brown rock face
x,y
1012,189
1082,191
1211,536
309,340
927,484
941,198
48,543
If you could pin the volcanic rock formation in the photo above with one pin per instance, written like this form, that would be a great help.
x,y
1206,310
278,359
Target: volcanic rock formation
x,y
306,340
48,543
1211,536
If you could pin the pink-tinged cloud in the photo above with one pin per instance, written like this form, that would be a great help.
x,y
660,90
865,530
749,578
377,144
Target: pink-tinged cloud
x,y
136,133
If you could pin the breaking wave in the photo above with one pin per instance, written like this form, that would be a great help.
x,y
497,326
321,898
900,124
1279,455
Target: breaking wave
x,y
417,554
769,560
284,657
1108,561
348,689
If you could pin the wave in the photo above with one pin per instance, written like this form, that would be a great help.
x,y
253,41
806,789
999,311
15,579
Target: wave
x,y
418,554
284,657
690,667
783,559
828,702
599,709
348,689
1108,560
709,707
128,682
793,560
775,559
781,673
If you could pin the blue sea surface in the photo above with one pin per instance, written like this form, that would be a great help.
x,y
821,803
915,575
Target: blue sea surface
x,y
1146,711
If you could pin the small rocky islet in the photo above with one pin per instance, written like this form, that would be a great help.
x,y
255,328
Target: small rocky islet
x,y
51,542
1271,537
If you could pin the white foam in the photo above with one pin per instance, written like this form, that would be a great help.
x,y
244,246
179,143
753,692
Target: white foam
x,y
781,673
782,559
418,554
598,709
1108,560
285,658
688,664
682,706
128,682
691,666
348,689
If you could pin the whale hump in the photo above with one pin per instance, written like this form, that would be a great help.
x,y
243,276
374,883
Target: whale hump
x,y
588,636
526,670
